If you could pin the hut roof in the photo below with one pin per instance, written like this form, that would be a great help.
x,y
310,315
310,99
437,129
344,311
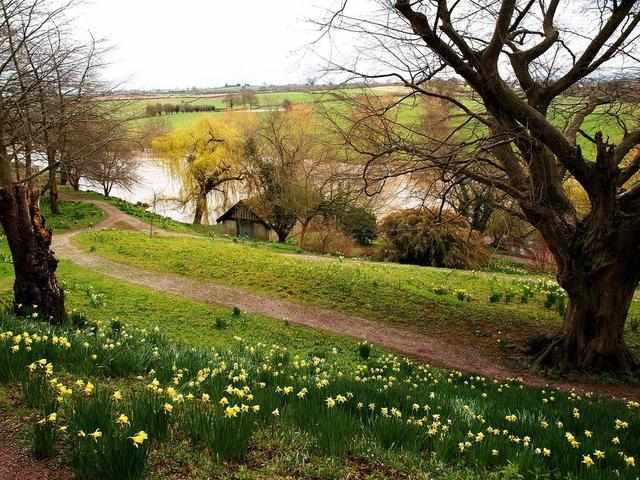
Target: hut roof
x,y
242,211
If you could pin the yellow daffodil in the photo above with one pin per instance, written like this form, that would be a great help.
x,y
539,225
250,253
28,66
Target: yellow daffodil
x,y
122,420
139,438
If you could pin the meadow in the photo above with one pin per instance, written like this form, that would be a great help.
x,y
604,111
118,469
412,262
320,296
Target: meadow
x,y
140,384
488,310
109,395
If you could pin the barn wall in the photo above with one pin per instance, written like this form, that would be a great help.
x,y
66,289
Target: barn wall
x,y
261,232
230,227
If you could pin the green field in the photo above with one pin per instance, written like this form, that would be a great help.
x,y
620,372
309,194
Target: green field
x,y
399,294
358,416
73,215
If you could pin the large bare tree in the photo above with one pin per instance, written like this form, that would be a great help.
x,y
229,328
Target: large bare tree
x,y
535,82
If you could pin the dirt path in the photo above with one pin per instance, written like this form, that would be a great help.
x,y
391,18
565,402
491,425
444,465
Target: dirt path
x,y
17,463
429,349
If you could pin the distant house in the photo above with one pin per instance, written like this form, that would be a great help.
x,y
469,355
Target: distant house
x,y
242,221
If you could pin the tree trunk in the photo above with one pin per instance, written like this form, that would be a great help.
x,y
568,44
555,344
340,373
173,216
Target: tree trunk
x,y
53,188
64,176
201,208
282,236
600,285
34,263
303,234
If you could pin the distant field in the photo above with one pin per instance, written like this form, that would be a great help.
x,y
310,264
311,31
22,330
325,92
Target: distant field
x,y
407,113
135,107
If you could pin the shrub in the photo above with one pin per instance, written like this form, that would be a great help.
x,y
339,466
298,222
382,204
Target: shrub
x,y
440,290
326,239
423,237
495,297
364,349
360,224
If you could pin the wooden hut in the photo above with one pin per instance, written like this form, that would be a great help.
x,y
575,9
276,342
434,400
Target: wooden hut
x,y
242,221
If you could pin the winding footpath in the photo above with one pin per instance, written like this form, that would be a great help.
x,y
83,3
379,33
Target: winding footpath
x,y
404,341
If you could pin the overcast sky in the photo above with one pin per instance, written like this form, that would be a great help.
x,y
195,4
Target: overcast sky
x,y
205,43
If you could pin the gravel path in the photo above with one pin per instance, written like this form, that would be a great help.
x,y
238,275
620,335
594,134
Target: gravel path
x,y
435,351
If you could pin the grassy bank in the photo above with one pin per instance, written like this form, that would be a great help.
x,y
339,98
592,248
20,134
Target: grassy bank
x,y
474,307
72,216
121,402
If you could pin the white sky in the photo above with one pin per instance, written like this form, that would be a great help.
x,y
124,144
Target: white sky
x,y
205,43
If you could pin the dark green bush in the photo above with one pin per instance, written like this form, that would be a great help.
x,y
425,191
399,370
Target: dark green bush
x,y
423,237
360,224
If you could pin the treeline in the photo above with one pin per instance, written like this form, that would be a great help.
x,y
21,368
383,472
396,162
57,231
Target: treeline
x,y
159,109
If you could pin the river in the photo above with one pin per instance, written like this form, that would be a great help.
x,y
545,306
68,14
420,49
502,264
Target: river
x,y
154,180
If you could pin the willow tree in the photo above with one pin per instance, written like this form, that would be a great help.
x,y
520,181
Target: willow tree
x,y
533,81
205,157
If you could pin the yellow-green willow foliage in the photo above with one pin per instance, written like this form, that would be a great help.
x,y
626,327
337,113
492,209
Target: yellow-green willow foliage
x,y
205,157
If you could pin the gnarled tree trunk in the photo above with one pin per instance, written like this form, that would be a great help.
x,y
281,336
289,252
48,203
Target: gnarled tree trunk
x,y
593,332
600,272
34,263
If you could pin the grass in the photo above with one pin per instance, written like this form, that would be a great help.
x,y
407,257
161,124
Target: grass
x,y
181,320
357,417
426,299
141,213
220,409
72,216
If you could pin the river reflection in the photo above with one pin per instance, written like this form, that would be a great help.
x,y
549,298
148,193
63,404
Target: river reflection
x,y
155,180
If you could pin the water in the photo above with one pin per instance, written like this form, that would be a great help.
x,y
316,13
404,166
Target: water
x,y
154,180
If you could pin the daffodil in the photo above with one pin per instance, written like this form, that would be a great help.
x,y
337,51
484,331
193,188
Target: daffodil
x,y
587,460
96,435
139,438
122,420
231,412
